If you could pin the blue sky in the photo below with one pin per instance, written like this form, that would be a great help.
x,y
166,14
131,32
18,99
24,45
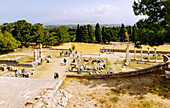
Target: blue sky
x,y
68,11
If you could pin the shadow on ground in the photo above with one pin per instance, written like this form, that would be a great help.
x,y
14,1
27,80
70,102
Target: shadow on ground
x,y
153,83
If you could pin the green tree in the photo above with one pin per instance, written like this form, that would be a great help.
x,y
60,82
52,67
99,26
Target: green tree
x,y
78,38
21,31
104,34
37,33
98,33
84,34
122,33
46,38
8,42
155,28
91,34
59,35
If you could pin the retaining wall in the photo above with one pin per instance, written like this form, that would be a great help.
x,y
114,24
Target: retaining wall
x,y
152,69
15,63
132,51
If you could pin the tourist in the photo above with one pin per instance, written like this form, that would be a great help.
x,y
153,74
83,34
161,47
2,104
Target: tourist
x,y
81,70
69,54
22,74
56,75
76,52
70,50
78,71
66,53
65,61
73,55
16,73
60,54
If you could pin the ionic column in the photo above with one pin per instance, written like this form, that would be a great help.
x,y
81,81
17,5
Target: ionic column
x,y
155,55
148,55
141,54
35,54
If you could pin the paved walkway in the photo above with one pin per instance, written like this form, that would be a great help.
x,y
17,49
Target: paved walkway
x,y
15,92
47,70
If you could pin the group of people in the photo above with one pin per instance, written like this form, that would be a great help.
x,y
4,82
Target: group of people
x,y
68,53
23,73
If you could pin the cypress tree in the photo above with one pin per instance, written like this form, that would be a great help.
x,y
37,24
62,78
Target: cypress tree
x,y
98,33
104,34
91,34
78,39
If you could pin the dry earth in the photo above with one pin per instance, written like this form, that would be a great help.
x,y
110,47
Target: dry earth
x,y
130,92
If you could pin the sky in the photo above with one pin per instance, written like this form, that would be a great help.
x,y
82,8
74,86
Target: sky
x,y
52,12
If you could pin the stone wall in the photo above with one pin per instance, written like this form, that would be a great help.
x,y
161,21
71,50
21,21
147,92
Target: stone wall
x,y
155,68
132,51
12,62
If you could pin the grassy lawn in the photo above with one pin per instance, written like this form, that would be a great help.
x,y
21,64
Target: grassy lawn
x,y
140,65
145,57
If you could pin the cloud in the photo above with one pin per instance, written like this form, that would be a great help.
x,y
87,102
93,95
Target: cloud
x,y
98,10
82,15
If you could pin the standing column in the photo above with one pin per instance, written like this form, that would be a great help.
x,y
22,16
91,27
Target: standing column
x,y
134,53
40,53
148,55
155,55
35,54
141,54
127,54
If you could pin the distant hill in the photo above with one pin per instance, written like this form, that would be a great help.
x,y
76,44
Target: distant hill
x,y
73,26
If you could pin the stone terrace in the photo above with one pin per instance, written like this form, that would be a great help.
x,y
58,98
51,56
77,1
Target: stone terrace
x,y
15,92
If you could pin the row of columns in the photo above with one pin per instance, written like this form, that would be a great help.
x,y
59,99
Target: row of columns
x,y
40,53
142,54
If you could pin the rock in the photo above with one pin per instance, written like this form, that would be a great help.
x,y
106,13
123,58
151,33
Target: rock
x,y
167,74
49,60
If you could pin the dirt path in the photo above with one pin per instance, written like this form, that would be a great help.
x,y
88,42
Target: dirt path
x,y
47,70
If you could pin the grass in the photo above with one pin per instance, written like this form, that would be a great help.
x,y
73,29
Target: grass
x,y
115,99
146,104
162,89
116,91
95,48
135,64
102,101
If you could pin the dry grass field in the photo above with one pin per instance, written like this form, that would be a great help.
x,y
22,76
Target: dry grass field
x,y
95,48
146,91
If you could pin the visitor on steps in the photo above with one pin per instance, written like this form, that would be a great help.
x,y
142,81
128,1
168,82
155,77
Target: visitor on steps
x,y
65,61
16,73
56,75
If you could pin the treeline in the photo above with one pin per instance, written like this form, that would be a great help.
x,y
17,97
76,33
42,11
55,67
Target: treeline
x,y
22,33
86,33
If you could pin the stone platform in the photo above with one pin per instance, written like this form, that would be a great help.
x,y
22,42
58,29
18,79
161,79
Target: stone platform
x,y
15,92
